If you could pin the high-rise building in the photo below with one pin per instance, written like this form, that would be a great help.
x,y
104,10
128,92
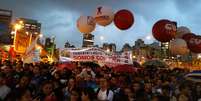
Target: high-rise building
x,y
31,26
165,53
88,40
26,31
50,45
5,28
48,42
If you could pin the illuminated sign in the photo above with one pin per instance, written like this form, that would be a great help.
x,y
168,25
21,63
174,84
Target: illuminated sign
x,y
5,12
196,63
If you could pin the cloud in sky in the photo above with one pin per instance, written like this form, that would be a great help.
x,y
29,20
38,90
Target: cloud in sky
x,y
58,17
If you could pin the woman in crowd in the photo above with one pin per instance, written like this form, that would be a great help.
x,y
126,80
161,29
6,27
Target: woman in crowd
x,y
67,91
47,92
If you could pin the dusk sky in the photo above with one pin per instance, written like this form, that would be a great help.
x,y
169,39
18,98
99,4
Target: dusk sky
x,y
58,17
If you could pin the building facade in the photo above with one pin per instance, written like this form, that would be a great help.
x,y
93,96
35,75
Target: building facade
x,y
111,47
165,52
26,31
139,43
50,44
146,51
88,40
5,26
30,26
126,47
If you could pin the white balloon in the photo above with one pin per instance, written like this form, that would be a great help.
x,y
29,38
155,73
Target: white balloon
x,y
86,24
181,31
179,47
103,15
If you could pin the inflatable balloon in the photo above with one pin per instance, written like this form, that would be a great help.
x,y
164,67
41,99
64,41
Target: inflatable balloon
x,y
86,24
194,44
188,36
181,31
103,15
179,47
123,19
164,30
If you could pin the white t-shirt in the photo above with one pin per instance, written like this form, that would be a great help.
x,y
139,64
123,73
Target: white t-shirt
x,y
102,95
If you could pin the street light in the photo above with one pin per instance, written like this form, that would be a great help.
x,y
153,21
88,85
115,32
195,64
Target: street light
x,y
40,35
21,22
148,37
108,50
199,56
102,38
18,26
27,33
39,47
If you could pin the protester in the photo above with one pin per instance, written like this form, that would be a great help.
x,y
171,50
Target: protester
x,y
104,93
4,89
47,82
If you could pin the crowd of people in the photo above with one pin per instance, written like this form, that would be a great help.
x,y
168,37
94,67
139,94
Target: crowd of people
x,y
45,82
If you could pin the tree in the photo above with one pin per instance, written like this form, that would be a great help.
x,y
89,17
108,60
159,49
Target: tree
x,y
67,45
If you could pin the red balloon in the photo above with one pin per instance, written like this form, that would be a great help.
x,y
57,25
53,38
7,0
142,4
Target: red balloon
x,y
187,36
194,44
164,30
123,19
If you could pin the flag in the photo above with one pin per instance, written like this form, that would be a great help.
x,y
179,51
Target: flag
x,y
30,50
31,47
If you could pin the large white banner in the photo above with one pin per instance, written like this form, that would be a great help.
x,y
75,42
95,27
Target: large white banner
x,y
97,55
